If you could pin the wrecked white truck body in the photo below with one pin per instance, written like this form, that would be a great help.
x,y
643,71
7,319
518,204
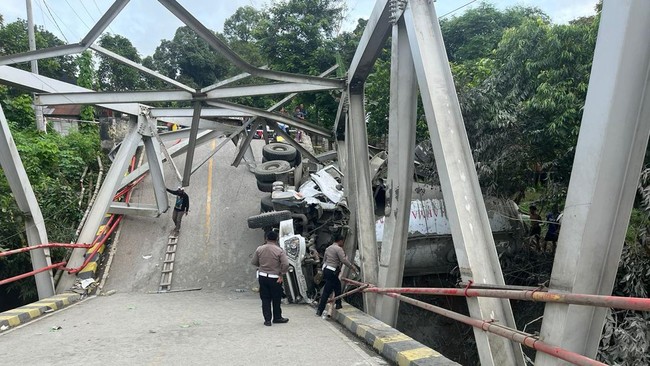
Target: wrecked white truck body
x,y
309,216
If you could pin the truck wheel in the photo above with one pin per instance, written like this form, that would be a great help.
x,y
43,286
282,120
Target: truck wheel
x,y
266,172
265,186
279,151
266,204
298,159
268,219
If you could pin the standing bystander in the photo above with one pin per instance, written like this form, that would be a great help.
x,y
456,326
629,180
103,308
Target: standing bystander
x,y
332,261
272,263
181,207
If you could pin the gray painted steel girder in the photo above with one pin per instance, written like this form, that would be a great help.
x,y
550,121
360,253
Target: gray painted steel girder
x,y
191,144
470,227
189,112
103,200
295,122
137,66
39,83
372,41
361,186
21,188
92,35
174,95
609,156
217,44
401,151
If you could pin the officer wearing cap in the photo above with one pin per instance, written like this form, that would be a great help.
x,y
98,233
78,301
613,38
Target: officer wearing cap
x,y
332,261
271,262
182,207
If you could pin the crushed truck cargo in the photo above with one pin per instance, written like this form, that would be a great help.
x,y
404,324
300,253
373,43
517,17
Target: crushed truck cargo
x,y
309,216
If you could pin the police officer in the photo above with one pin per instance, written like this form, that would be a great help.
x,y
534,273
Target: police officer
x,y
271,262
334,257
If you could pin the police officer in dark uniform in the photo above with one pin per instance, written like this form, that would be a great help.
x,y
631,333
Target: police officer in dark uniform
x,y
332,261
271,262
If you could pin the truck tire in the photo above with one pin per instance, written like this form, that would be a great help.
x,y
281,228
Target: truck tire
x,y
266,204
266,172
265,186
298,159
268,219
279,151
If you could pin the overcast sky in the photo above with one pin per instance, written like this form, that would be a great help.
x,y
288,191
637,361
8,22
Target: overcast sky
x,y
146,22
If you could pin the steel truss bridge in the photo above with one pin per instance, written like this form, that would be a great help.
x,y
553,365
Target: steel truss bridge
x,y
609,156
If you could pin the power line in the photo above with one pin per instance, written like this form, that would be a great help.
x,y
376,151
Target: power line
x,y
77,14
52,17
87,12
62,22
458,8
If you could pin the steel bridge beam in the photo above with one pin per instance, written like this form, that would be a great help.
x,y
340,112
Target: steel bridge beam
x,y
401,151
174,95
470,227
189,112
295,122
139,67
207,35
191,144
103,200
26,201
92,35
609,156
42,84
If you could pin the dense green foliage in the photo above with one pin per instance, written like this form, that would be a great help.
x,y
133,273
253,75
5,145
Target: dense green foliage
x,y
521,81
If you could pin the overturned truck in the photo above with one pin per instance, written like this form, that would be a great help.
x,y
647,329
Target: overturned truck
x,y
309,214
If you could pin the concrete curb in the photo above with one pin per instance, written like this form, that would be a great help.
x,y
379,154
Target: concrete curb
x,y
390,343
26,313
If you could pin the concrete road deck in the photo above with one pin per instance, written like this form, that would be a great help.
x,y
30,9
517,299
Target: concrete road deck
x,y
188,328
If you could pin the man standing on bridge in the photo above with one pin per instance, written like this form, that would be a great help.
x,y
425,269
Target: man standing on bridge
x,y
182,207
334,258
271,262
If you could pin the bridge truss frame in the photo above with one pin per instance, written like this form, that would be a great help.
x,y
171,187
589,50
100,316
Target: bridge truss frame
x,y
609,155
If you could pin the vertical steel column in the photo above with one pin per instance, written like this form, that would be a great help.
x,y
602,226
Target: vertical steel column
x,y
38,110
191,145
609,156
102,202
470,227
362,189
154,158
22,189
401,148
344,152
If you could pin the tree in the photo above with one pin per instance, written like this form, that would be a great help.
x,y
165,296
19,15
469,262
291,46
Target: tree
x,y
86,79
295,36
13,39
114,75
190,60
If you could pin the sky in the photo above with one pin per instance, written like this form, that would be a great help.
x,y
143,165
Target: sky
x,y
147,22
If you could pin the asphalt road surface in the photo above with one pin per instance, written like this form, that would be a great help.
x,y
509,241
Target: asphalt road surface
x,y
219,322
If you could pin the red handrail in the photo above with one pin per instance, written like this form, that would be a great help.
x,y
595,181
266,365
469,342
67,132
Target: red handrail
x,y
28,274
48,245
618,302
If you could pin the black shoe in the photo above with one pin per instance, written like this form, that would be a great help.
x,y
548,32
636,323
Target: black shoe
x,y
281,320
267,323
339,306
319,313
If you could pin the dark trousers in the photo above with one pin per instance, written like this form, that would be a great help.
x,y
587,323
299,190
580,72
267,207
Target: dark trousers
x,y
332,284
177,217
270,292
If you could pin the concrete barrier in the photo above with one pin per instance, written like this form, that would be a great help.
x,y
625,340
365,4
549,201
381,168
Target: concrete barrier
x,y
26,313
387,341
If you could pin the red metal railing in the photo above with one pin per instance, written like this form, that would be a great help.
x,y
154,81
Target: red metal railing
x,y
28,274
528,340
49,245
100,238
